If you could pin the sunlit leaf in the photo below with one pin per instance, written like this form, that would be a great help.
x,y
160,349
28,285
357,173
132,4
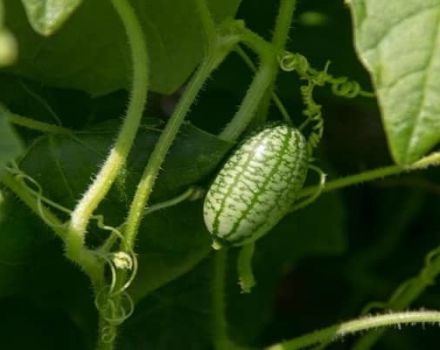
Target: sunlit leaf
x,y
398,42
46,16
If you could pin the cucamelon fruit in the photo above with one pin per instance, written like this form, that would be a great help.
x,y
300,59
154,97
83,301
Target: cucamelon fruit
x,y
257,186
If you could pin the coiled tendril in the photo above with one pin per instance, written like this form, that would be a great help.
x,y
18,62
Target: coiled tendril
x,y
34,188
112,301
340,86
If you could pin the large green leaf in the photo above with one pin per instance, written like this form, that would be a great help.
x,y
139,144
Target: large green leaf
x,y
46,16
399,43
90,51
10,146
63,165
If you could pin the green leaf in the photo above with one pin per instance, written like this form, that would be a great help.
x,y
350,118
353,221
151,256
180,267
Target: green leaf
x,y
47,16
171,241
399,43
63,165
92,46
10,145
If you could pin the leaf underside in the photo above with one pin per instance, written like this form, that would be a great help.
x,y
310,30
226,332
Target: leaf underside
x,y
399,43
46,16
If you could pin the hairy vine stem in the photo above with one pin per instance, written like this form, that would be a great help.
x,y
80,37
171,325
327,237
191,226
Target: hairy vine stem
x,y
430,160
116,159
404,295
248,106
279,40
217,48
359,325
277,101
262,83
261,89
145,185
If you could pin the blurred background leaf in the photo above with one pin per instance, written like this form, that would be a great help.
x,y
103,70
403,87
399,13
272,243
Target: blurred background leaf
x,y
90,51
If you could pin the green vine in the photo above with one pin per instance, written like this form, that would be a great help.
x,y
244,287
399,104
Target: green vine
x,y
32,124
430,160
355,326
216,51
277,101
340,86
279,41
157,157
404,295
16,183
261,88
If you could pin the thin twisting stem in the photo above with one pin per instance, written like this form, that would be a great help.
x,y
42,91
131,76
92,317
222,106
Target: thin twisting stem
x,y
34,124
407,292
190,193
22,192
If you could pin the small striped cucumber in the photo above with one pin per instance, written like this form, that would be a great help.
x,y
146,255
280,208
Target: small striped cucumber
x,y
257,186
